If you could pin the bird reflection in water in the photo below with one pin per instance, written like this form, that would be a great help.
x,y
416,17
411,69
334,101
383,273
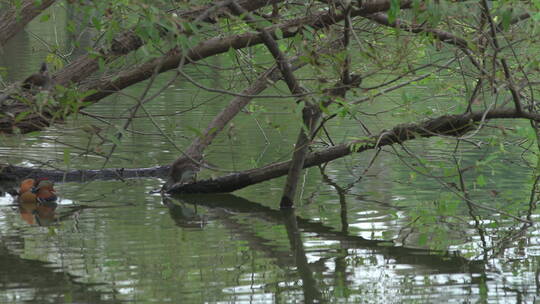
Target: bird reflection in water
x,y
183,215
42,214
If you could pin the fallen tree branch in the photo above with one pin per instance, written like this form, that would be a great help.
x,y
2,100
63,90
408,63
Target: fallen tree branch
x,y
446,125
218,45
193,155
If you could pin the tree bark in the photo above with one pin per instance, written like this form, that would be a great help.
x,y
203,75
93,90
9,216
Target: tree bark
x,y
128,41
86,65
14,20
447,125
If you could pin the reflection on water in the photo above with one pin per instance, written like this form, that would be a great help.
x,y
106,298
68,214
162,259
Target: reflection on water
x,y
42,214
112,241
224,248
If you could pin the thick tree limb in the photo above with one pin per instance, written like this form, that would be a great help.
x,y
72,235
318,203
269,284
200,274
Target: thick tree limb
x,y
14,20
218,45
447,125
128,41
231,110
171,60
195,150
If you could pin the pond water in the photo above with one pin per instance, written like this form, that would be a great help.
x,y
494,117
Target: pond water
x,y
356,236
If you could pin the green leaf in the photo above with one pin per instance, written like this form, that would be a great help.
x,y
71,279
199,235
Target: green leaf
x,y
279,34
506,19
67,157
96,22
307,35
45,17
232,54
481,180
194,130
393,13
422,239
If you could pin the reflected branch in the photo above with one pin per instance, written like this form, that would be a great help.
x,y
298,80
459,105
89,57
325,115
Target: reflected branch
x,y
436,259
48,284
312,293
342,200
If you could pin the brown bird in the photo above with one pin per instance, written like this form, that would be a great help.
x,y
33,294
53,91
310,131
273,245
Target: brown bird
x,y
41,192
41,80
27,185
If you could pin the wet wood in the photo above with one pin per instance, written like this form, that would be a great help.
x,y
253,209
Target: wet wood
x,y
13,173
447,125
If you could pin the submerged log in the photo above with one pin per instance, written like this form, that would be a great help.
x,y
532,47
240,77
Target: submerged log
x,y
8,172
